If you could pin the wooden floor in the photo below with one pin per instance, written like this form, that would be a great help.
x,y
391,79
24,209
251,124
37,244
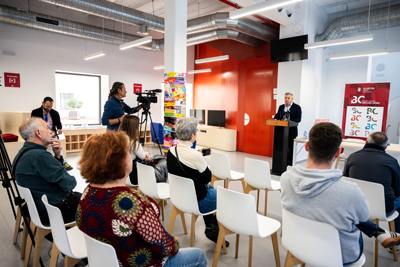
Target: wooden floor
x,y
262,248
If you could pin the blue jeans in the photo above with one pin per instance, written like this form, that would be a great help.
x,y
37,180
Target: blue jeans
x,y
188,257
397,220
361,244
368,228
209,203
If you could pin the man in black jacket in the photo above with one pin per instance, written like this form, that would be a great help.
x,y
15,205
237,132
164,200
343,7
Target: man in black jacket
x,y
52,118
289,111
372,164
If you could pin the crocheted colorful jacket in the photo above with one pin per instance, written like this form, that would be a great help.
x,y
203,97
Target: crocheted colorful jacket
x,y
129,221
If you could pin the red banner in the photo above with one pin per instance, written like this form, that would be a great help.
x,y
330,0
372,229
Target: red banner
x,y
365,109
137,88
11,80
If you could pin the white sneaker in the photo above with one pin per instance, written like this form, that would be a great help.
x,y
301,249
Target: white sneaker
x,y
391,249
388,239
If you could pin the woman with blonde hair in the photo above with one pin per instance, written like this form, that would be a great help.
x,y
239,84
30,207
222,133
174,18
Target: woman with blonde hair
x,y
115,214
130,125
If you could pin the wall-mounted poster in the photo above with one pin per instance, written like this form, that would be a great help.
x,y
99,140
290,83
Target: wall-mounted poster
x,y
365,109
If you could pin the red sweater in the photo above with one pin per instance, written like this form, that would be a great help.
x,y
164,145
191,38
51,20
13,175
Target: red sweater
x,y
129,221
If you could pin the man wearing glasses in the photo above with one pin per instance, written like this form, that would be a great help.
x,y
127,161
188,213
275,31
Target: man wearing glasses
x,y
52,118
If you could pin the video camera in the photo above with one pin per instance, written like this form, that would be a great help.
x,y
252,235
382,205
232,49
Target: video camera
x,y
148,96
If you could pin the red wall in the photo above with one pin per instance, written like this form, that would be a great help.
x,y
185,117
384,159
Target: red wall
x,y
239,86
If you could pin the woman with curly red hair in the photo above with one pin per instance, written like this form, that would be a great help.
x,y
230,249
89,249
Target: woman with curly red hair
x,y
123,217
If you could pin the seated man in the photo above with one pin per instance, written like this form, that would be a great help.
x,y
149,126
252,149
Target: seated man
x,y
38,170
317,193
372,164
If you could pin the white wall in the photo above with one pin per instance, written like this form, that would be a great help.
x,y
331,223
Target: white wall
x,y
39,54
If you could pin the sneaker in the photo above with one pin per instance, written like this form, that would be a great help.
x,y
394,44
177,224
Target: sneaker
x,y
67,166
212,231
391,249
388,239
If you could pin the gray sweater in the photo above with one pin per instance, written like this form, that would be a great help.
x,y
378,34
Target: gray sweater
x,y
320,195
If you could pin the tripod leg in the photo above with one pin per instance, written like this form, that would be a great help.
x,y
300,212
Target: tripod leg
x,y
154,131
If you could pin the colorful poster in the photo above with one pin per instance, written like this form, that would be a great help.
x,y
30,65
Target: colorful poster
x,y
365,109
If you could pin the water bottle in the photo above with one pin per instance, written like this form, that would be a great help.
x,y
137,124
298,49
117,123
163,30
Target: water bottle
x,y
305,135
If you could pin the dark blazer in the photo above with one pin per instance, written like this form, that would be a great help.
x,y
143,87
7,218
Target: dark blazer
x,y
295,115
54,116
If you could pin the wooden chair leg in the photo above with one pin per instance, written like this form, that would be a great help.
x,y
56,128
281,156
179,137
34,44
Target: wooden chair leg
x,y
70,262
226,183
375,257
213,179
192,229
17,225
237,246
258,198
274,238
392,228
266,199
40,233
54,255
175,212
220,242
292,260
243,184
28,249
24,241
337,162
250,250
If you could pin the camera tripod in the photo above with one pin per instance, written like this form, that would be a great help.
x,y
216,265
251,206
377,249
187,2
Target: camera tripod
x,y
144,119
13,193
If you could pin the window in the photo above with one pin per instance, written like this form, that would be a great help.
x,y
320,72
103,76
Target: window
x,y
78,98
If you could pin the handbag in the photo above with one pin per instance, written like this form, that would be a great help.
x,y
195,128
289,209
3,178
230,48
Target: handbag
x,y
159,163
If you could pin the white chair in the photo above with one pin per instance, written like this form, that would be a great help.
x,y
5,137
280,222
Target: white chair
x,y
70,242
148,185
306,245
128,183
257,176
375,195
347,151
184,200
99,253
236,213
17,226
221,170
37,228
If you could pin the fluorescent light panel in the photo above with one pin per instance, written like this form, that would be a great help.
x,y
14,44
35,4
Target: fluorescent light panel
x,y
211,59
348,40
159,67
263,6
136,43
199,71
94,55
361,54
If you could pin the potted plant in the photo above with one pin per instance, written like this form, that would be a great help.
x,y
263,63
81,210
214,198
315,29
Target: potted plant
x,y
75,104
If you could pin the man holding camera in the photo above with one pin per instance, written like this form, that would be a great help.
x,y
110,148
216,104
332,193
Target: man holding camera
x,y
289,111
115,108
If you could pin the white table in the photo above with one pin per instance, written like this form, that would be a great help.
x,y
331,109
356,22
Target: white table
x,y
351,143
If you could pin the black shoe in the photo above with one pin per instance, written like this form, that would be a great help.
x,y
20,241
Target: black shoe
x,y
212,231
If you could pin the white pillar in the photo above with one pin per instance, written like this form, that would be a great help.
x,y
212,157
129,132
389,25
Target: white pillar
x,y
175,36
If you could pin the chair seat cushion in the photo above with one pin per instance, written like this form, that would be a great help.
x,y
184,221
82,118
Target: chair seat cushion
x,y
267,226
236,175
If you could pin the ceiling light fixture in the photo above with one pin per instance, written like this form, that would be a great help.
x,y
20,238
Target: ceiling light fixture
x,y
360,54
159,67
137,42
347,40
211,59
94,55
263,6
199,71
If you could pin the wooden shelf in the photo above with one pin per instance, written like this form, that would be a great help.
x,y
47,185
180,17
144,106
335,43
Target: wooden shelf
x,y
76,138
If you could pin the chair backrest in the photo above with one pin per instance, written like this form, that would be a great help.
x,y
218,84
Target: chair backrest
x,y
375,195
33,212
128,182
257,173
219,165
314,243
99,253
237,212
159,131
58,228
182,194
147,180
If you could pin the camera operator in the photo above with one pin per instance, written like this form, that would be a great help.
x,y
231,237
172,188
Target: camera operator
x,y
115,108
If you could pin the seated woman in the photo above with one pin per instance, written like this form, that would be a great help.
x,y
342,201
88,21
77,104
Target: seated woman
x,y
130,125
125,218
186,162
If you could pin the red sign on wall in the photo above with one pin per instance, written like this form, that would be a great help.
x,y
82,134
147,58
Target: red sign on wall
x,y
137,88
11,80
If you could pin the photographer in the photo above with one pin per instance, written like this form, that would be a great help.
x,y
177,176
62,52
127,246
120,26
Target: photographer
x,y
115,108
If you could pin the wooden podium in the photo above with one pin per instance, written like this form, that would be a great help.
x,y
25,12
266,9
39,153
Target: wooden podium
x,y
281,138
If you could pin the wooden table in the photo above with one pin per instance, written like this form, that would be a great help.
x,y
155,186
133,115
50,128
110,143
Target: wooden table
x,y
353,143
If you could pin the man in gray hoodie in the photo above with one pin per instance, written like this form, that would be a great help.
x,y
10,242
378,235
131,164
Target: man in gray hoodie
x,y
316,192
